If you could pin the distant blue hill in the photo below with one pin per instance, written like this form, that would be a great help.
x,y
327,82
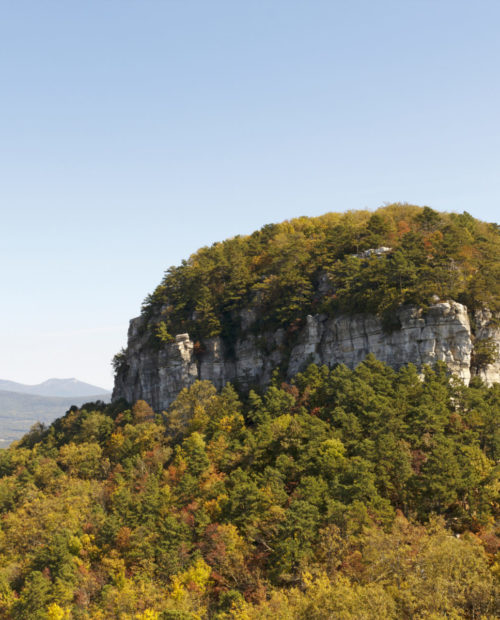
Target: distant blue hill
x,y
54,387
22,406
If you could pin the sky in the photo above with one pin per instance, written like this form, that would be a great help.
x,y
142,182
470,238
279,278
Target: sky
x,y
134,132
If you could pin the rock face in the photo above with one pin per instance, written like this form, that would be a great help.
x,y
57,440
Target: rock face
x,y
442,333
488,330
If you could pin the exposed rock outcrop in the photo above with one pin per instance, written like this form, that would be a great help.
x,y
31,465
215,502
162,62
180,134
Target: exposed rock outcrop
x,y
487,333
442,333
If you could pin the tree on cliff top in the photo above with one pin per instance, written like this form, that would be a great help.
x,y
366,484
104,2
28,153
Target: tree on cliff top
x,y
277,271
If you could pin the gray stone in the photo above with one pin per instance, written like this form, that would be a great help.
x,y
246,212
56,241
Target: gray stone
x,y
442,333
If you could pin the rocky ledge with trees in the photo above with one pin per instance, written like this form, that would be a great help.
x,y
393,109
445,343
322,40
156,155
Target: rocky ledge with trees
x,y
407,284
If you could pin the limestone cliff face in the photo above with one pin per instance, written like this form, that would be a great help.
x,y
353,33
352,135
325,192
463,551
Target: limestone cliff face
x,y
442,333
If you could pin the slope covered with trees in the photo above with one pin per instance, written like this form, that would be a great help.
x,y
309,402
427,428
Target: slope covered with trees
x,y
365,493
285,271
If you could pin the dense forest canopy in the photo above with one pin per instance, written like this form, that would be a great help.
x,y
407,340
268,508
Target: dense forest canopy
x,y
320,264
367,493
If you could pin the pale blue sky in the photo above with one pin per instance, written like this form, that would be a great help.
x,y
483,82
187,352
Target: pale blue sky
x,y
134,132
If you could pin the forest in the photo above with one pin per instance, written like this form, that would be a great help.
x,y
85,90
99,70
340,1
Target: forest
x,y
352,494
283,272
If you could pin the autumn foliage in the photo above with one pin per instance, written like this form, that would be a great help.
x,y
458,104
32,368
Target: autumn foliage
x,y
367,493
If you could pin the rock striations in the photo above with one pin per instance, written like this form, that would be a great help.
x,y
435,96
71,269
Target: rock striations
x,y
441,333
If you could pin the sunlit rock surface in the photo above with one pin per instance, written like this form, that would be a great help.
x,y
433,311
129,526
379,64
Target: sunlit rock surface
x,y
442,333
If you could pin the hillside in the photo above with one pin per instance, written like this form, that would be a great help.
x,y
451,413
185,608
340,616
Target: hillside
x,y
405,283
367,493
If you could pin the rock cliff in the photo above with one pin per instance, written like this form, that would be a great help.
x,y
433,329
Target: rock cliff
x,y
442,333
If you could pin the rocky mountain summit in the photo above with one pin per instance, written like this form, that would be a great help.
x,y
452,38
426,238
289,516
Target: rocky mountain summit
x,y
405,284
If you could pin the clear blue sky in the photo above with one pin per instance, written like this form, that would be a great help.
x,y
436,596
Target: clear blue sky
x,y
135,131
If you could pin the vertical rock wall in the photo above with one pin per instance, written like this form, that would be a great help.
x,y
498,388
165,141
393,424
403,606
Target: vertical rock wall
x,y
442,333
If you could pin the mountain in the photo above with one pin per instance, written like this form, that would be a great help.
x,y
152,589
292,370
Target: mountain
x,y
19,412
406,283
291,473
54,387
21,406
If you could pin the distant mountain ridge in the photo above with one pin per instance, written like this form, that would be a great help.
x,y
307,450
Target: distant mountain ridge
x,y
23,405
55,388
19,412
